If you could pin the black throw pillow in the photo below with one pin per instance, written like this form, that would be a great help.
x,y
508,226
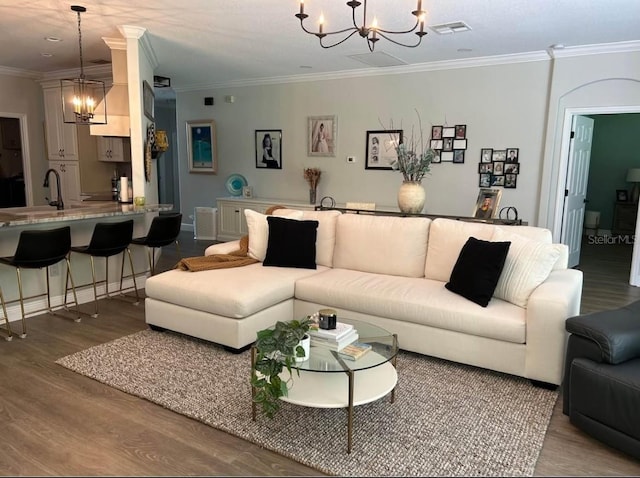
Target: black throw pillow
x,y
291,243
478,269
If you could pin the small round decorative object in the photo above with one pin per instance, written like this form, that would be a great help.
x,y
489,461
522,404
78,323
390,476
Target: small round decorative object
x,y
235,183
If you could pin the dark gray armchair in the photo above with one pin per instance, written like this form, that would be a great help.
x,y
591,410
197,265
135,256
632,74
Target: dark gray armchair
x,y
601,383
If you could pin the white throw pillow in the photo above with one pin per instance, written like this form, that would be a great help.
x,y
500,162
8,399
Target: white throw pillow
x,y
528,265
258,229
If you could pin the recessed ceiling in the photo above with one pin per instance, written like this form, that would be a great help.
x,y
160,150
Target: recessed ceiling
x,y
201,43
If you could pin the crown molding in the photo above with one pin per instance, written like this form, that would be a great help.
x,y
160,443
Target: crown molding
x,y
33,75
603,48
91,72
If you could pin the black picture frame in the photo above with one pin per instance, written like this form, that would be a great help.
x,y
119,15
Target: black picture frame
x,y
511,155
268,146
458,156
486,155
461,131
510,181
148,98
381,148
622,195
484,180
436,132
484,168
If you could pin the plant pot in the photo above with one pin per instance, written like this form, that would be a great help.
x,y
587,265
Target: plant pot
x,y
305,343
411,196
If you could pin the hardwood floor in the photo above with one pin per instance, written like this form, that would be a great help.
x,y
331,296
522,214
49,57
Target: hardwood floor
x,y
56,422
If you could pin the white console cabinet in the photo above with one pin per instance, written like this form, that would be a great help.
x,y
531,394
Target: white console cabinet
x,y
232,224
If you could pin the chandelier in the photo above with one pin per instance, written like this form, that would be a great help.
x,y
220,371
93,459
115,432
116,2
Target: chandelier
x,y
371,33
81,96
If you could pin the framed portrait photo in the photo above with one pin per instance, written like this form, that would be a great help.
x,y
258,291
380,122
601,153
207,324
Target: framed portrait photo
x,y
510,181
458,155
448,132
148,97
381,148
485,155
322,134
461,131
485,180
201,146
512,155
498,155
436,132
268,148
487,203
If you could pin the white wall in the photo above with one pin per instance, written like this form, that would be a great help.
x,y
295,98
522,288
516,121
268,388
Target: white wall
x,y
503,106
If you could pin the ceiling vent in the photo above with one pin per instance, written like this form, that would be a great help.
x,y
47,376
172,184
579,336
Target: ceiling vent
x,y
378,59
451,27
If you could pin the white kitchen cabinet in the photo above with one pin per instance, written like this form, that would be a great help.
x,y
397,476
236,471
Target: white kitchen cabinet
x,y
114,149
62,139
231,221
69,181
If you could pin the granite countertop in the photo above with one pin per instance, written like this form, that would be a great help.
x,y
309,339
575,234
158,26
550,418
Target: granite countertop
x,y
20,216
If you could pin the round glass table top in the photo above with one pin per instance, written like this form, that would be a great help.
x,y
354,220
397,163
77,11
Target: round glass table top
x,y
384,348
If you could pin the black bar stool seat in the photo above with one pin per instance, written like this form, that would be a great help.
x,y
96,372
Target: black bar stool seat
x,y
40,249
164,230
108,239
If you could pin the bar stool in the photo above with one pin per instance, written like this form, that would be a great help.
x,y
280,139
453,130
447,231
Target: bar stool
x,y
39,250
164,230
6,318
108,239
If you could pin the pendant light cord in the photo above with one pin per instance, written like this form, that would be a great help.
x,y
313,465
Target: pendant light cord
x,y
80,44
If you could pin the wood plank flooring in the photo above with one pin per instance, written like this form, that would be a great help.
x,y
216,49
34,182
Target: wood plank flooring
x,y
56,422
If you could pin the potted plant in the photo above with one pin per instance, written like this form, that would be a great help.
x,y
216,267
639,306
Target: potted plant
x,y
276,348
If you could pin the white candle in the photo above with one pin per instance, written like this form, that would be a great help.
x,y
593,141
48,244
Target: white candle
x,y
124,189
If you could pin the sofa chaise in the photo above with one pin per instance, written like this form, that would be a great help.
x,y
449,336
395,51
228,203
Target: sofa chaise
x,y
390,271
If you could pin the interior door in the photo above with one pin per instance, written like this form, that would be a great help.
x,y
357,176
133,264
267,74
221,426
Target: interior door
x,y
576,186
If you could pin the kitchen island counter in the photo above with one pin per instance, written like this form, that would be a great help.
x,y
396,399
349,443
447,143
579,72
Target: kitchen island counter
x,y
22,216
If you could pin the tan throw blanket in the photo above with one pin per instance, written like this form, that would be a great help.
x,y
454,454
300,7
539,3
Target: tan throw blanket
x,y
237,258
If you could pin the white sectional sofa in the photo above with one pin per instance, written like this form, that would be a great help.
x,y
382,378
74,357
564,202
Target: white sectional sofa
x,y
390,271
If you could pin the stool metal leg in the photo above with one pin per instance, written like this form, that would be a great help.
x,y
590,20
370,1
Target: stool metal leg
x,y
95,289
133,275
24,322
6,317
73,289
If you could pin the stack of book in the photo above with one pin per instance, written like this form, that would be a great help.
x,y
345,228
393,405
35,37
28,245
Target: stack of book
x,y
334,339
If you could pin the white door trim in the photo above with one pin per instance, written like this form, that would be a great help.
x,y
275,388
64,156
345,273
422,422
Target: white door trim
x,y
569,113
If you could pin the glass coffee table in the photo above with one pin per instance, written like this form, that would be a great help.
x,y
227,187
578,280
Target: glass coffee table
x,y
326,380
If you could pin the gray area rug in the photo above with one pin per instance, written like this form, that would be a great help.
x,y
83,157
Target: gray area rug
x,y
448,419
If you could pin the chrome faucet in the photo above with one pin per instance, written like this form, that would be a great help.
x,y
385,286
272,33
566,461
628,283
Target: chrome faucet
x,y
58,202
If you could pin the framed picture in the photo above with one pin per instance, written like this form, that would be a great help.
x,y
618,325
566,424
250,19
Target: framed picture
x,y
498,155
381,148
435,144
268,148
512,155
447,144
436,133
458,155
148,98
510,181
459,144
485,180
201,146
322,135
485,155
511,168
622,195
461,131
437,158
487,203
498,168
485,168
448,132
247,192
497,180
446,156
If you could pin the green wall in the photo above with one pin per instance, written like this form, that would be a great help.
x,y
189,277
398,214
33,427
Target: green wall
x,y
615,148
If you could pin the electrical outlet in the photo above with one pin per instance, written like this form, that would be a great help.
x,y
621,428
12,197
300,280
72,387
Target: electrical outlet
x,y
351,159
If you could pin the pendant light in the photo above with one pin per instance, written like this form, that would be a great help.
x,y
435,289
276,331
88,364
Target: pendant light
x,y
81,96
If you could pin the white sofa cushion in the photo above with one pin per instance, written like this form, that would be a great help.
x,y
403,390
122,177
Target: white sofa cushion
x,y
258,229
416,300
235,292
326,238
528,265
381,244
446,238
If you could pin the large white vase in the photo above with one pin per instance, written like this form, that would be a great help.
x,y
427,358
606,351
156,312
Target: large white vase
x,y
411,196
305,343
